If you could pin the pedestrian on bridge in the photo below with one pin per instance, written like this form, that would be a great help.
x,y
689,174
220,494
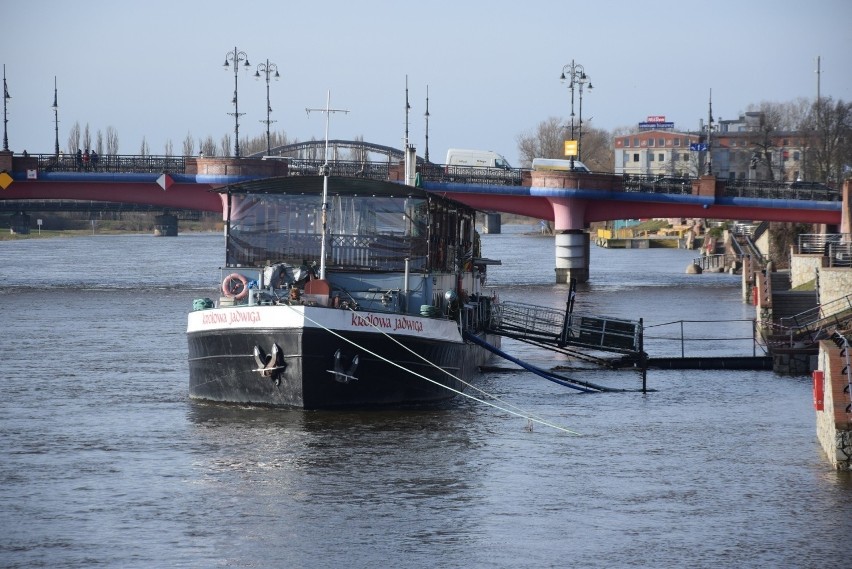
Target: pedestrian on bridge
x,y
86,159
95,159
79,159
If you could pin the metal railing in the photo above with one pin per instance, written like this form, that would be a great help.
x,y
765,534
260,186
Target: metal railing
x,y
716,340
112,163
816,243
657,184
812,322
770,189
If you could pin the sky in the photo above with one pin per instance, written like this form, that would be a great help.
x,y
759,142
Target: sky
x,y
154,69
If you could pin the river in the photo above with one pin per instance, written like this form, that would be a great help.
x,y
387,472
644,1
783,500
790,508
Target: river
x,y
105,460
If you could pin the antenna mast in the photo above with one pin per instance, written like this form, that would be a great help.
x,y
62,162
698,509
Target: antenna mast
x,y
325,171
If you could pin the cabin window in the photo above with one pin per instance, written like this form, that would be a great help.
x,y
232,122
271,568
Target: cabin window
x,y
366,232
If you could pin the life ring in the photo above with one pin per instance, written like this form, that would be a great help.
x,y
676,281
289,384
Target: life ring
x,y
235,286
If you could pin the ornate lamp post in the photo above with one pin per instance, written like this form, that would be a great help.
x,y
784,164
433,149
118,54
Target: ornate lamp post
x,y
236,57
56,118
576,76
267,69
6,96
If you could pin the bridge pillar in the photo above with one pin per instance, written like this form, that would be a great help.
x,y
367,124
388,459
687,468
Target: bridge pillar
x,y
572,256
166,225
19,223
492,223
571,241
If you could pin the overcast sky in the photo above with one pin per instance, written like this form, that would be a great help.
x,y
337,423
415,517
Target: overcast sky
x,y
153,68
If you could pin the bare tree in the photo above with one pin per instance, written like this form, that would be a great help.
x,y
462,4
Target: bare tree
x,y
226,145
188,145
208,147
87,138
829,127
598,153
143,148
169,150
111,140
99,142
74,138
546,141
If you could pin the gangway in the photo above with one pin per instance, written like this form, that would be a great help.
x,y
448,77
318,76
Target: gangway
x,y
569,332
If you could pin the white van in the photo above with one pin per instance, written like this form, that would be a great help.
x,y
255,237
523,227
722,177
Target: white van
x,y
476,158
558,165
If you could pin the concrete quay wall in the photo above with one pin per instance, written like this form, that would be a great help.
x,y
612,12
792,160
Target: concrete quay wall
x,y
834,283
803,268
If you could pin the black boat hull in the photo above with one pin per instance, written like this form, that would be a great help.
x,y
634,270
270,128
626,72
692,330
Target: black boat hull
x,y
326,366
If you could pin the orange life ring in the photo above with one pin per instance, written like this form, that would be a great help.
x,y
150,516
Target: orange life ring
x,y
235,286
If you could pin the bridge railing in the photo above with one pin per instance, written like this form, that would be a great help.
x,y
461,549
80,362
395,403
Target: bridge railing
x,y
471,175
657,184
112,163
816,243
769,189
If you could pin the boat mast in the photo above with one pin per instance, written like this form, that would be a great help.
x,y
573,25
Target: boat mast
x,y
325,172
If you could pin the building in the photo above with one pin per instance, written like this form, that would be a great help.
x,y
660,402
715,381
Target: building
x,y
656,152
740,149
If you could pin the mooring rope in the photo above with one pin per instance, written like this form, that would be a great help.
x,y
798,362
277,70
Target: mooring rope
x,y
520,413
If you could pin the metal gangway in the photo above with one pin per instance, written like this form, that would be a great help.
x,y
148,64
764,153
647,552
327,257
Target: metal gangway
x,y
574,334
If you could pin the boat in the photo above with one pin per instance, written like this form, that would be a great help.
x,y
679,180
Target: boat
x,y
342,292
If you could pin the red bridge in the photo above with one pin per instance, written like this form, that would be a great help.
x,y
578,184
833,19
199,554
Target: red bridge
x,y
570,199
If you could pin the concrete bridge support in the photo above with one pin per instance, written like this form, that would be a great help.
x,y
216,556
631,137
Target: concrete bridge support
x,y
571,240
166,225
572,256
20,223
492,223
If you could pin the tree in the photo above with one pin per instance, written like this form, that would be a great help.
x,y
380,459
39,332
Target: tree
x,y
188,145
99,142
208,147
829,128
548,141
598,153
226,145
143,148
74,138
111,140
87,138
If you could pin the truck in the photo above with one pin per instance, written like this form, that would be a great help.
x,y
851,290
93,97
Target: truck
x,y
558,165
476,158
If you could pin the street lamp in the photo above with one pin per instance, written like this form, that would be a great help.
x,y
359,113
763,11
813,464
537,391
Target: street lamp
x,y
267,68
576,76
6,96
56,118
236,57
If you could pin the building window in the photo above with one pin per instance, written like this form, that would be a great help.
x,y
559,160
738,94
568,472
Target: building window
x,y
796,156
650,157
636,141
627,142
650,142
636,157
661,157
661,142
676,142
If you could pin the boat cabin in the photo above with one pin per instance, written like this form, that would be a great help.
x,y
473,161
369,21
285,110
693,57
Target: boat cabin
x,y
386,246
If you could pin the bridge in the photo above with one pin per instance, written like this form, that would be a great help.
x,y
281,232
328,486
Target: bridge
x,y
572,200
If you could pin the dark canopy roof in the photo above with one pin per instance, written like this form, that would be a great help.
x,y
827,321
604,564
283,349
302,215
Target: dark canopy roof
x,y
314,184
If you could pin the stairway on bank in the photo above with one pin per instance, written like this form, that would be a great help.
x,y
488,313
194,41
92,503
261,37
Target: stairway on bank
x,y
787,303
